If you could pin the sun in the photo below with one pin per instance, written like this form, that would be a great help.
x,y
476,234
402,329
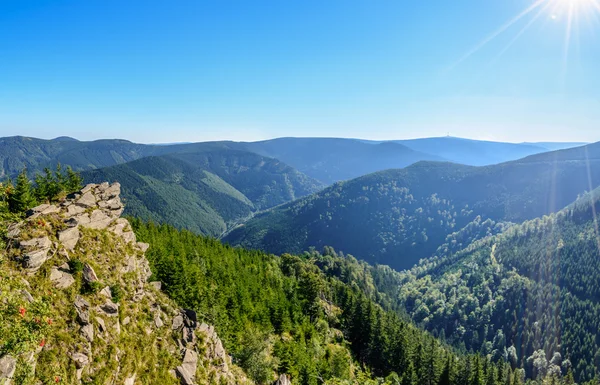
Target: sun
x,y
569,12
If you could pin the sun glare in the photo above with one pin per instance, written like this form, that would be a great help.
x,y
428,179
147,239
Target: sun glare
x,y
569,12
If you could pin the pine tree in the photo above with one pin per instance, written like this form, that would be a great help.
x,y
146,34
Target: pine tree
x,y
21,197
445,377
73,182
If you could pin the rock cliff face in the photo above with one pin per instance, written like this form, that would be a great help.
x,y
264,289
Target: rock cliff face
x,y
77,308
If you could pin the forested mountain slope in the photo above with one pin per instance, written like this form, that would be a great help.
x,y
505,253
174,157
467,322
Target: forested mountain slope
x,y
528,295
396,217
205,191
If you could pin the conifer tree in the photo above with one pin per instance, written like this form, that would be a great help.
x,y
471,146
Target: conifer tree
x,y
21,197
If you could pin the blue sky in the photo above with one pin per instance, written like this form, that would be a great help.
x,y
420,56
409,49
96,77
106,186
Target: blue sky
x,y
166,71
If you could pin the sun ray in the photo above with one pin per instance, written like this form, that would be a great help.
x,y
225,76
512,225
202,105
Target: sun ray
x,y
567,43
499,31
521,32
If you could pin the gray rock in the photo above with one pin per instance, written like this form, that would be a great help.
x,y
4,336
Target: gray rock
x,y
143,246
106,292
158,322
111,204
87,331
65,267
101,324
188,335
69,238
109,308
184,376
60,279
88,187
190,362
113,191
157,285
126,321
119,227
87,200
13,230
89,275
51,209
283,380
26,296
130,380
80,359
36,243
36,211
35,259
128,237
73,210
78,220
102,187
83,310
98,220
177,322
8,365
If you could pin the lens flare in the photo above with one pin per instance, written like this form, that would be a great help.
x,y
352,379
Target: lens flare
x,y
569,12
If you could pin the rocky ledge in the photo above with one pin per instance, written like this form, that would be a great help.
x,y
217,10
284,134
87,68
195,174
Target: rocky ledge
x,y
107,294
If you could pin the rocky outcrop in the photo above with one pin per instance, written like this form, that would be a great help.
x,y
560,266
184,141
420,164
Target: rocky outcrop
x,y
283,380
85,230
8,366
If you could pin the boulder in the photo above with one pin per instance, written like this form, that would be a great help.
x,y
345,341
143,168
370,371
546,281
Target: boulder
x,y
74,210
157,285
36,243
98,220
177,322
8,365
83,310
80,359
130,380
158,321
184,376
87,331
13,230
190,362
60,279
86,200
113,191
88,187
106,292
78,220
69,238
143,246
126,321
283,380
109,308
37,211
35,259
128,237
89,275
111,204
101,324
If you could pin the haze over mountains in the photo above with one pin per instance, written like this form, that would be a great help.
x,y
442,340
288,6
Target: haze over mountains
x,y
396,217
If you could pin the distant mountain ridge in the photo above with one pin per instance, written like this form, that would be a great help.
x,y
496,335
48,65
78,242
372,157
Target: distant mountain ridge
x,y
396,217
326,159
206,192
